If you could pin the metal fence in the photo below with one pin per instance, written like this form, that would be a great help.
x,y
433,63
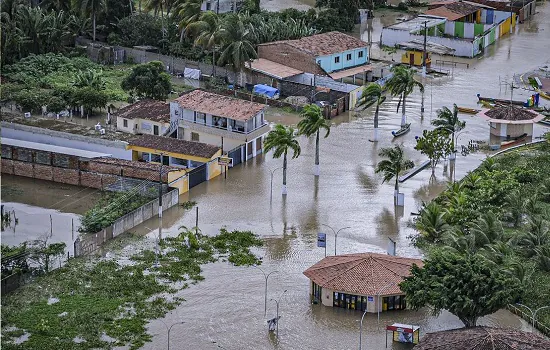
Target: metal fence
x,y
529,318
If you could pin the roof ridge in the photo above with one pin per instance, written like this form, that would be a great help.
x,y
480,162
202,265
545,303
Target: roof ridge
x,y
339,275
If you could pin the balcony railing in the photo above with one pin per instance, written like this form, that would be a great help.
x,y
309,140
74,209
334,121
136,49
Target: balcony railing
x,y
224,132
239,130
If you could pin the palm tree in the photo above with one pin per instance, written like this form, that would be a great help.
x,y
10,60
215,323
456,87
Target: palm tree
x,y
93,7
432,223
394,166
89,78
311,125
189,11
238,41
448,120
206,32
282,139
373,94
402,84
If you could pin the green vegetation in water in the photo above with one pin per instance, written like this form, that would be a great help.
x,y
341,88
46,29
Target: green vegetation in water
x,y
188,205
110,207
95,297
499,213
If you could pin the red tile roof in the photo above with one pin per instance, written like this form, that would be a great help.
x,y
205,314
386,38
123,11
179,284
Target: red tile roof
x,y
169,144
363,273
453,10
483,338
324,44
219,105
154,110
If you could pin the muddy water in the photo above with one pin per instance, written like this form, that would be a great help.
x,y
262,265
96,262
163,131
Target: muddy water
x,y
35,201
226,310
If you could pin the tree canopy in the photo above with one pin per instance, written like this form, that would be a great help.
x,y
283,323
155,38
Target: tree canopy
x,y
464,285
148,80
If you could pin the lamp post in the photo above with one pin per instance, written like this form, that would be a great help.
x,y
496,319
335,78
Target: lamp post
x,y
361,330
277,302
265,292
335,234
170,329
271,188
378,298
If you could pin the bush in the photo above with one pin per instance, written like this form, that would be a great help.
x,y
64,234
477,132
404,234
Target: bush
x,y
31,100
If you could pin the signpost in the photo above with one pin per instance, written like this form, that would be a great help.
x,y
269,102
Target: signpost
x,y
322,241
226,162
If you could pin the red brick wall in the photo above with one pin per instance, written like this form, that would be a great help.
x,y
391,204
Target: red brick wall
x,y
66,176
7,166
90,179
43,172
290,57
23,169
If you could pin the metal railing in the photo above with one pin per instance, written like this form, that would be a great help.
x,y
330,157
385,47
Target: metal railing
x,y
537,324
237,131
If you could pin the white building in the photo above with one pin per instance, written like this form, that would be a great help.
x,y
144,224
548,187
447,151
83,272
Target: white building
x,y
221,6
235,125
149,117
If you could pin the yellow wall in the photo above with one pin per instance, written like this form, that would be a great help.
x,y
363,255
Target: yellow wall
x,y
405,58
478,16
182,183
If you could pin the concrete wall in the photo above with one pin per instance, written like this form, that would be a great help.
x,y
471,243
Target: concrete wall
x,y
116,149
329,64
88,243
131,125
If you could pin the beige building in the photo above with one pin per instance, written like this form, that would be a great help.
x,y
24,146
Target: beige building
x,y
365,281
237,126
510,121
148,117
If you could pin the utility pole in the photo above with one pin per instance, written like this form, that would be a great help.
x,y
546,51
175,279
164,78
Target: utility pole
x,y
424,50
160,198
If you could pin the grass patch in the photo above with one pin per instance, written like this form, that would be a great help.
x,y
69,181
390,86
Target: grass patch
x,y
99,297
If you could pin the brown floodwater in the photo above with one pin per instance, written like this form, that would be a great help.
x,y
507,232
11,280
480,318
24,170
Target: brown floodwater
x,y
225,310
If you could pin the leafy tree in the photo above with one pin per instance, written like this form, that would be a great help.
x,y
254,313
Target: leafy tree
x,y
348,10
282,139
373,94
56,104
91,8
330,19
237,39
402,84
148,80
432,224
448,120
435,144
89,78
464,285
137,29
90,98
311,124
43,253
396,164
31,100
189,11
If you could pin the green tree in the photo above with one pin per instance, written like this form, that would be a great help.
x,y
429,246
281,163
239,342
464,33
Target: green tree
x,y
432,224
311,124
464,285
91,8
43,253
90,98
90,78
402,84
238,41
347,10
148,80
396,164
435,144
206,32
282,139
373,94
188,11
448,120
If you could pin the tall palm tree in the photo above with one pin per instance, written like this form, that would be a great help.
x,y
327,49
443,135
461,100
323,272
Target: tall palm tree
x,y
93,8
189,11
207,33
432,223
373,94
311,125
448,120
282,139
402,84
33,29
395,165
238,40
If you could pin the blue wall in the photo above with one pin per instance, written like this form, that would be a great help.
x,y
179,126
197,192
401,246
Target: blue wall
x,y
329,64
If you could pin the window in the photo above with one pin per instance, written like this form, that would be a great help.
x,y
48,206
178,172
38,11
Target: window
x,y
360,54
337,59
155,129
194,136
219,122
125,122
200,118
208,6
165,160
348,57
155,158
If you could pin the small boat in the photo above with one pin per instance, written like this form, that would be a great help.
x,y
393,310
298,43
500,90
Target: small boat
x,y
404,129
498,100
468,110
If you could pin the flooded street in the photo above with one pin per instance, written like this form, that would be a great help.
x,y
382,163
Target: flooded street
x,y
225,310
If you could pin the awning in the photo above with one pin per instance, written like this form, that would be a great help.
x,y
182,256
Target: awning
x,y
349,72
272,69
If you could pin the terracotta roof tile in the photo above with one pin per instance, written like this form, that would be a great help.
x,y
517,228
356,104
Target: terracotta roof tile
x,y
324,44
483,338
154,110
453,10
168,144
510,113
364,273
219,105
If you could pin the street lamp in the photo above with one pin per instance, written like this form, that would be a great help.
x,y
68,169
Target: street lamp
x,y
335,234
277,302
170,329
361,330
271,190
265,292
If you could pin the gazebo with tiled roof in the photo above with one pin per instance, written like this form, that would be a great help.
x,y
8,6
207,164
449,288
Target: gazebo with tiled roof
x,y
483,338
361,281
510,121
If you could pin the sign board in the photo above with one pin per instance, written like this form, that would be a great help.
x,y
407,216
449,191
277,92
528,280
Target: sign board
x,y
225,161
27,114
370,298
322,240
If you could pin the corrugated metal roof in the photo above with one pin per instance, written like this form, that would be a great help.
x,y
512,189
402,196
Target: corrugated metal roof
x,y
348,72
54,149
273,69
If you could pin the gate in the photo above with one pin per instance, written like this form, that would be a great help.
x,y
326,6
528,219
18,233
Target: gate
x,y
236,155
197,175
